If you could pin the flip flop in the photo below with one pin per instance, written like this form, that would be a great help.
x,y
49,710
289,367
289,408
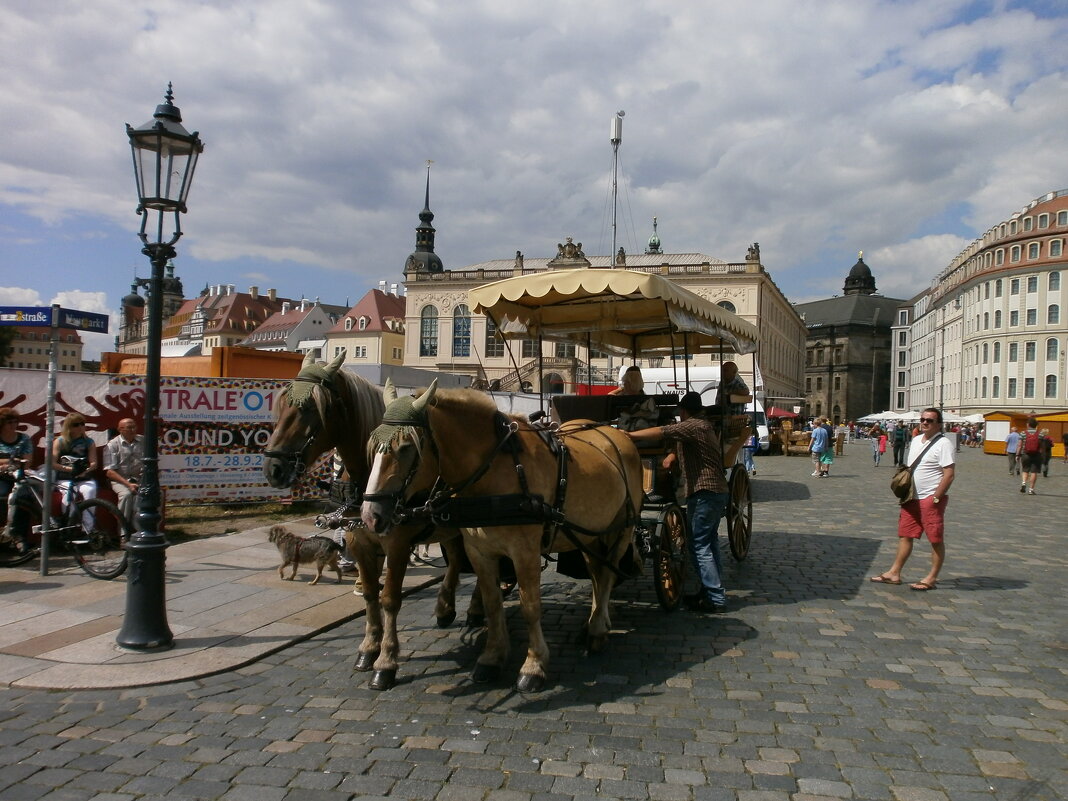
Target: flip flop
x,y
882,579
923,586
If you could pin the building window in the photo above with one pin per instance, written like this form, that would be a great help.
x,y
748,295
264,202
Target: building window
x,y
1012,389
1054,281
1029,223
838,382
1053,314
1055,247
1062,217
1032,316
903,317
1043,221
1032,283
901,400
428,331
1051,386
808,384
819,383
1014,318
529,348
565,350
902,359
901,379
363,323
997,288
726,304
1052,349
494,346
360,352
461,330
1013,224
1014,286
986,290
348,323
1029,351
984,387
902,340
1029,387
986,320
997,319
997,353
995,387
1032,250
999,256
1014,253
1014,351
986,351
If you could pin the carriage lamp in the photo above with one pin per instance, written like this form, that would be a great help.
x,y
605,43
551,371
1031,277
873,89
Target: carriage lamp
x,y
164,156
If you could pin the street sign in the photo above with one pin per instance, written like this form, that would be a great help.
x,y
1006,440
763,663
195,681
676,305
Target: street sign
x,y
26,315
83,321
42,316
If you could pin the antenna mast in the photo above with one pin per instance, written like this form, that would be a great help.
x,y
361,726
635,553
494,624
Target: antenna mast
x,y
617,137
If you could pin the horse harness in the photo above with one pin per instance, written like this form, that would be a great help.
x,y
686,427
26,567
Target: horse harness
x,y
315,379
445,507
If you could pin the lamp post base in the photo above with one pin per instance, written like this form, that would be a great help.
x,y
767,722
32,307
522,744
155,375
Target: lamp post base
x,y
144,626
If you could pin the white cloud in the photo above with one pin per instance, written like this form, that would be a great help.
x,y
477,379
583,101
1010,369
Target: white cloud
x,y
880,126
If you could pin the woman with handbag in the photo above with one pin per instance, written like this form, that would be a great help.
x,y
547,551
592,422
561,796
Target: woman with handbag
x,y
930,460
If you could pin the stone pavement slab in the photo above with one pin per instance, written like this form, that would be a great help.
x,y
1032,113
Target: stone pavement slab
x,y
226,606
816,685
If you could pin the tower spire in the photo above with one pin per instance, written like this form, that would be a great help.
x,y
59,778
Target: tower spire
x,y
423,258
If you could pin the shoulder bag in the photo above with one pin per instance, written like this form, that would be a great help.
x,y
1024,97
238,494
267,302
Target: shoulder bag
x,y
902,484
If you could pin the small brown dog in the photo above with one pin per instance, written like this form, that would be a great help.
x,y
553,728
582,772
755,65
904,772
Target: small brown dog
x,y
298,551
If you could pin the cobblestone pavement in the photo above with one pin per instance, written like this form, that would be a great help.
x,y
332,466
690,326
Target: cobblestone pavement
x,y
816,685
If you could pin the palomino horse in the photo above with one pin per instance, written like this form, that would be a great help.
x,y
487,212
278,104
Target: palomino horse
x,y
498,480
326,407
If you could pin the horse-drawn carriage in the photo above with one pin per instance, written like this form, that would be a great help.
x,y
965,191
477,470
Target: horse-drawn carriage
x,y
448,464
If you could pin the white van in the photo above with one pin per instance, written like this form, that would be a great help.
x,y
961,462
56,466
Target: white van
x,y
705,380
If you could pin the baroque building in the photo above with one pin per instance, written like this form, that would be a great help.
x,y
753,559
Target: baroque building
x,y
990,333
443,334
848,349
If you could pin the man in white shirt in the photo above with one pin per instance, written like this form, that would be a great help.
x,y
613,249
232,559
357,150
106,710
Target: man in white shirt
x,y
926,513
122,465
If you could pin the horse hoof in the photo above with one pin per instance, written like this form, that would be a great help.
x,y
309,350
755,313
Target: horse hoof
x,y
365,661
483,674
444,621
384,679
530,684
476,621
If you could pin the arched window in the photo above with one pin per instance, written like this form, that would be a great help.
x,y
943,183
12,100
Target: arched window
x,y
1053,314
1051,386
363,323
726,304
428,331
995,384
553,383
997,319
348,323
494,347
986,352
986,320
461,331
984,386
997,353
1052,349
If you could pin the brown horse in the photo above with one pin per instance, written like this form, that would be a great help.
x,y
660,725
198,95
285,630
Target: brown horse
x,y
326,407
458,439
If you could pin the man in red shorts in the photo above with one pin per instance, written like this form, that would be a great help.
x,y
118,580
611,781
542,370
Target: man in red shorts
x,y
926,514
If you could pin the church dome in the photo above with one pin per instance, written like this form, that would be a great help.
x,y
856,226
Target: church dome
x,y
860,281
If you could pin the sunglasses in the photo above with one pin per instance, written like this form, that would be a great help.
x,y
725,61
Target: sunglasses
x,y
931,420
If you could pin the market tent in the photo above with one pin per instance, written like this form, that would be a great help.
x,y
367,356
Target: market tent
x,y
775,411
975,418
625,312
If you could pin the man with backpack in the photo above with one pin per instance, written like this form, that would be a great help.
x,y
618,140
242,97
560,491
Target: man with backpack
x,y
1031,456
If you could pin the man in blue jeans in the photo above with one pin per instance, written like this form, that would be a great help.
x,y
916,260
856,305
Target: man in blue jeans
x,y
697,453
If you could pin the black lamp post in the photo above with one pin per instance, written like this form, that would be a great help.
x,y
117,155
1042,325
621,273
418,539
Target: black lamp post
x,y
164,156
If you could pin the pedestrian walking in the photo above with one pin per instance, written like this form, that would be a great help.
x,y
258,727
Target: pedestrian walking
x,y
932,456
1012,445
818,446
1047,450
900,438
1030,453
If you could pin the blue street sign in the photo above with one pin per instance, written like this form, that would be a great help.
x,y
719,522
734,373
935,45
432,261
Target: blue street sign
x,y
83,321
26,315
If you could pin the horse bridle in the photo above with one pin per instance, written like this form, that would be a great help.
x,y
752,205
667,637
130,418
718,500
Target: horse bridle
x,y
296,457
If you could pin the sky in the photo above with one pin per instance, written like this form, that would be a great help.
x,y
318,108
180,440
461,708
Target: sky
x,y
903,129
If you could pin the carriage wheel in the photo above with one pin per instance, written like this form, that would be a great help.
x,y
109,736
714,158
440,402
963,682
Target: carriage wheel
x,y
669,556
739,512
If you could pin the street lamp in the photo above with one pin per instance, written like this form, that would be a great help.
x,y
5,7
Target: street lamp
x,y
164,156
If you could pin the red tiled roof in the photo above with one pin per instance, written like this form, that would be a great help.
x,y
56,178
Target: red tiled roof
x,y
377,307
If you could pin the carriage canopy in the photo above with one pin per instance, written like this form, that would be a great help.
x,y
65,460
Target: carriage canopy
x,y
624,312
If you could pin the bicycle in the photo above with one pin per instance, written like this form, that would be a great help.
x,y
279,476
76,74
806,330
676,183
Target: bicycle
x,y
99,550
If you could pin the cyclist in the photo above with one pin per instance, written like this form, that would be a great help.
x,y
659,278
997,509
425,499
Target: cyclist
x,y
73,442
13,445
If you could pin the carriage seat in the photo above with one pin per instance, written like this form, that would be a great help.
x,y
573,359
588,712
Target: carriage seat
x,y
603,408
